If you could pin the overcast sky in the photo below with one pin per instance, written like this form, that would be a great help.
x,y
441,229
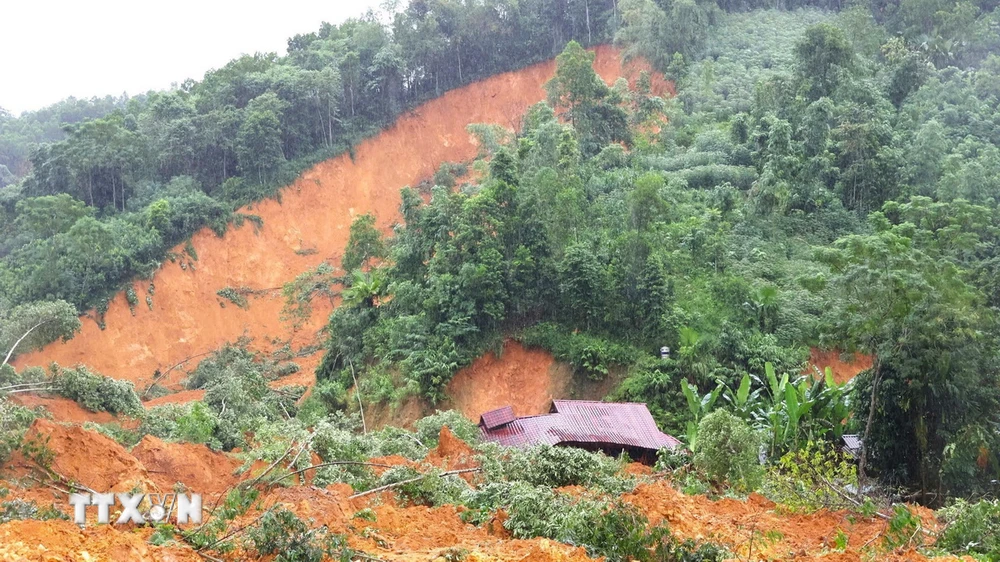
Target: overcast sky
x,y
52,49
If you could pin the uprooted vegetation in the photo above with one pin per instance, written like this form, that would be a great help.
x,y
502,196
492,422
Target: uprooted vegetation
x,y
821,181
335,492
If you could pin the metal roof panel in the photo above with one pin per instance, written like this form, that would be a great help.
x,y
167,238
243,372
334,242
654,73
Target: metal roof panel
x,y
580,421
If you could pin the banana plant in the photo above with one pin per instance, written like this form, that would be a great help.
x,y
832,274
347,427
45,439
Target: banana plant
x,y
699,406
743,402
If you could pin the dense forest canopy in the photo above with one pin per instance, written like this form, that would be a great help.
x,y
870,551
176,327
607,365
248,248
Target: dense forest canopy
x,y
827,175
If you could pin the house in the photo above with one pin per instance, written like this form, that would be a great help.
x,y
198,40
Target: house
x,y
611,427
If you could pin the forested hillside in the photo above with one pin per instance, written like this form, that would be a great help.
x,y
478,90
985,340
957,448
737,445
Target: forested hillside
x,y
825,176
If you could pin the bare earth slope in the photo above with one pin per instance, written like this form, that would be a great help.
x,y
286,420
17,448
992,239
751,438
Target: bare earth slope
x,y
308,226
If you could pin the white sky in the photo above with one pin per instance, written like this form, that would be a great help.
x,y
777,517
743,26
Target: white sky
x,y
52,49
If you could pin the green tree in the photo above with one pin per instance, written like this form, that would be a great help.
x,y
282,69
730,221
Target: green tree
x,y
576,87
933,376
44,217
822,55
364,244
258,142
34,325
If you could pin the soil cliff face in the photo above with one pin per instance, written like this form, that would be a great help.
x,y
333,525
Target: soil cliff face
x,y
306,225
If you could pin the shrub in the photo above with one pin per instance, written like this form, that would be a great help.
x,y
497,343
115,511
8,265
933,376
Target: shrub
x,y
19,510
197,425
123,436
614,530
802,479
429,490
235,296
728,451
161,421
14,421
545,465
97,393
429,427
973,528
589,355
281,533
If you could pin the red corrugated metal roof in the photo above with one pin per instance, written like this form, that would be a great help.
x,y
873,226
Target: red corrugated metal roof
x,y
496,418
579,421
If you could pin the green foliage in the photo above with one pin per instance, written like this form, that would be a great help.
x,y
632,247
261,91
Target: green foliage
x,y
590,356
727,451
904,529
237,398
823,53
14,422
364,245
308,285
281,533
428,487
38,323
811,478
428,428
614,530
548,466
96,392
235,296
973,528
212,534
20,510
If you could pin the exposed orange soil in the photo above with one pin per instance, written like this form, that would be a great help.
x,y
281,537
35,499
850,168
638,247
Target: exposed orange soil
x,y
89,458
182,397
405,533
776,536
197,467
525,379
98,462
842,371
62,409
314,214
52,541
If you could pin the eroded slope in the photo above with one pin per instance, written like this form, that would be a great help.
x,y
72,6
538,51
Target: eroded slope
x,y
308,226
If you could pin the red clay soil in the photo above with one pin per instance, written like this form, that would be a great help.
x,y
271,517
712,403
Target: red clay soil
x,y
842,371
199,468
525,379
182,397
98,462
314,214
452,453
62,409
51,541
777,536
89,458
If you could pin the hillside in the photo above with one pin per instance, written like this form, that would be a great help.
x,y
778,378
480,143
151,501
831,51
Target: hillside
x,y
307,227
775,233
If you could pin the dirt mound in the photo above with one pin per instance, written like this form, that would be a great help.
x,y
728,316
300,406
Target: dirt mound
x,y
740,524
424,533
451,453
309,225
199,468
62,540
89,458
62,409
843,371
